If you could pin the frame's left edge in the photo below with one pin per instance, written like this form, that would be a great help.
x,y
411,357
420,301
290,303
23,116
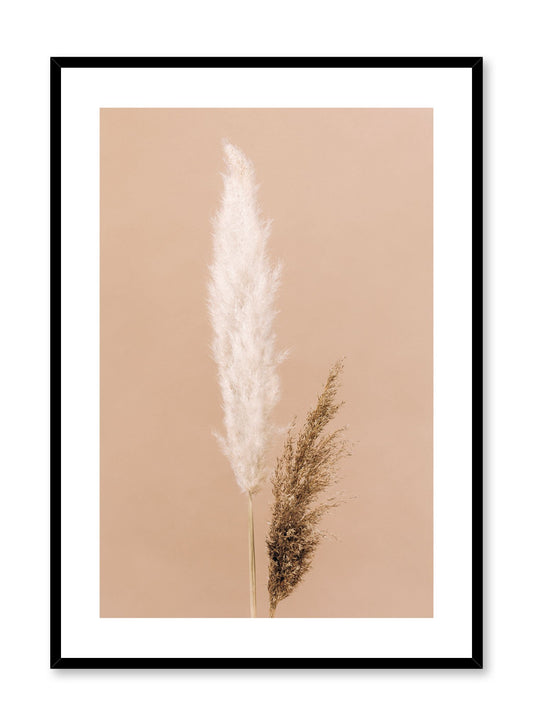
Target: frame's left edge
x,y
55,363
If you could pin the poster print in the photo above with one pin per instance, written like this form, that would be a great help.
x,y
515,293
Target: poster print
x,y
349,193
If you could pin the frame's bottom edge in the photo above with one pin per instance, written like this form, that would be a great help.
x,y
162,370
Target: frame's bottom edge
x,y
267,663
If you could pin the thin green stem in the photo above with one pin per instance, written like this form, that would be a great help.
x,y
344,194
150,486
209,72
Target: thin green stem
x,y
251,555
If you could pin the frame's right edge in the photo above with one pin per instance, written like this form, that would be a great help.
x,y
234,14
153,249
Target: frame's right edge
x,y
477,363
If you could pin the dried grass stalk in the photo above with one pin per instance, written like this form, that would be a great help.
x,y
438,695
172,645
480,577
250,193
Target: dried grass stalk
x,y
242,290
305,470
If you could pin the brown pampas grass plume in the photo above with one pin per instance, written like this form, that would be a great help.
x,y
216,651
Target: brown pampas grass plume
x,y
305,470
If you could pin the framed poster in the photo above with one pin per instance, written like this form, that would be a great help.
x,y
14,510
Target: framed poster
x,y
266,362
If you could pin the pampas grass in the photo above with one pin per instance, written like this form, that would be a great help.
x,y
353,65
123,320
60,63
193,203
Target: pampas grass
x,y
242,289
305,470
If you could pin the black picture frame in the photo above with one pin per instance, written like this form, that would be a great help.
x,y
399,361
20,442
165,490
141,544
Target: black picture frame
x,y
57,661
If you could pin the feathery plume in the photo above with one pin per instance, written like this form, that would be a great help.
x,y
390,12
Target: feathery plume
x,y
242,290
305,469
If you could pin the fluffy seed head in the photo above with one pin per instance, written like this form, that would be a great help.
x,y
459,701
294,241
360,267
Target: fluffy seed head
x,y
242,289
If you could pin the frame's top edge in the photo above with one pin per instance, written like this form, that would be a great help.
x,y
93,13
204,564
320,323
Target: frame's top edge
x,y
266,62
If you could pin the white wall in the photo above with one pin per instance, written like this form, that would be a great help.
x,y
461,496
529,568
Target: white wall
x,y
32,31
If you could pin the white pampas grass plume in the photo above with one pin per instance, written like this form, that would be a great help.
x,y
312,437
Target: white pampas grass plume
x,y
242,291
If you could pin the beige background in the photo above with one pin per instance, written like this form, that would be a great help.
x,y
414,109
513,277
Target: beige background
x,y
350,193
